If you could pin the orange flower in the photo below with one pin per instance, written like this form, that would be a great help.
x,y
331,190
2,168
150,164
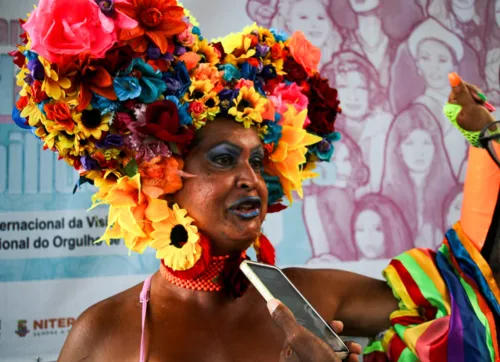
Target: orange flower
x,y
60,113
161,176
304,52
158,20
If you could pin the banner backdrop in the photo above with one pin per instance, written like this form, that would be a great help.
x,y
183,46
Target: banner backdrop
x,y
396,181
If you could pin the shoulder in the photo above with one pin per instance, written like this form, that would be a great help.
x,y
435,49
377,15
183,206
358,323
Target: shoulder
x,y
96,329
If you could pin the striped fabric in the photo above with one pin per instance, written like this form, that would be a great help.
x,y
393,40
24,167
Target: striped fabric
x,y
447,306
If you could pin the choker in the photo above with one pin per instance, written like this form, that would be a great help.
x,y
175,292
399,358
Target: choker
x,y
221,273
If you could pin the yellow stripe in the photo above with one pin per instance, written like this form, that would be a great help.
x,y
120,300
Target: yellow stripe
x,y
405,313
429,268
412,334
392,277
386,341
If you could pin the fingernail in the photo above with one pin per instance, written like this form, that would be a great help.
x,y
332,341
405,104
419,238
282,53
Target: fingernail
x,y
272,305
454,79
482,96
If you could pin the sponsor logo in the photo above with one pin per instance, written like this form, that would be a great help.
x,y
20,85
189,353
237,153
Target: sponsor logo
x,y
52,326
22,328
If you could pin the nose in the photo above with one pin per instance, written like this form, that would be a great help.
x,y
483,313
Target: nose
x,y
247,178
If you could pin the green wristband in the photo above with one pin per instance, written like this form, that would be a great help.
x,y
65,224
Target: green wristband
x,y
451,111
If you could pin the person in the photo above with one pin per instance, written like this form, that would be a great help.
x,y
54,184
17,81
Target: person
x,y
417,174
188,136
379,228
452,205
322,217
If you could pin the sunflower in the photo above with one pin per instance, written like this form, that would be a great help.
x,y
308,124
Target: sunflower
x,y
198,90
33,113
211,102
91,123
208,52
177,240
53,84
248,107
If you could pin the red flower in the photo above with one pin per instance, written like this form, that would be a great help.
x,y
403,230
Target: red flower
x,y
321,90
162,122
196,108
22,103
266,253
19,58
38,94
60,113
295,71
323,106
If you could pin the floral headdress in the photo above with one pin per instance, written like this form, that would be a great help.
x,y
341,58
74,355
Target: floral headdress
x,y
118,88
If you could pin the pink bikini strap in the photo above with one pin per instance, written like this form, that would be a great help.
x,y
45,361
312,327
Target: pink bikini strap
x,y
144,299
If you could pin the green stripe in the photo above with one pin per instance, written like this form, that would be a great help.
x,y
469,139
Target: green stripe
x,y
425,284
375,346
407,356
474,302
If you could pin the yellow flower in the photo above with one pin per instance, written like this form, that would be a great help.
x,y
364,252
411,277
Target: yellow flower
x,y
52,84
207,51
127,212
199,90
33,113
266,37
288,161
177,254
248,107
91,123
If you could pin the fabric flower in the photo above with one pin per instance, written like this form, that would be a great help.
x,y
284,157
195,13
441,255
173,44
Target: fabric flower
x,y
304,52
162,122
274,189
323,106
112,18
273,132
288,95
152,85
248,107
323,150
91,123
127,88
53,84
60,113
279,35
230,72
176,240
178,82
294,71
185,118
158,21
289,156
104,105
226,98
147,150
58,29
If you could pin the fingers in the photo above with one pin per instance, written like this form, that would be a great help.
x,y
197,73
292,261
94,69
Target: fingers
x,y
282,316
354,348
337,326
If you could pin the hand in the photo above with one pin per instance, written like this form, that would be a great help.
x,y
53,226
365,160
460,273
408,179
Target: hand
x,y
300,344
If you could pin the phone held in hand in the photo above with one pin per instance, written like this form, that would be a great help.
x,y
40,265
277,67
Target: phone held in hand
x,y
272,283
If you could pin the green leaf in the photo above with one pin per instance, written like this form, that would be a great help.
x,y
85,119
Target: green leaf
x,y
131,168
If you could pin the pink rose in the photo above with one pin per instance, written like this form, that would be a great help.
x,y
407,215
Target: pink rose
x,y
304,53
289,95
196,108
244,83
186,38
59,29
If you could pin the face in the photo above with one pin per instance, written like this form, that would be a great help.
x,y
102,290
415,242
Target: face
x,y
361,6
311,18
434,62
418,151
343,165
227,198
454,212
369,235
463,4
353,90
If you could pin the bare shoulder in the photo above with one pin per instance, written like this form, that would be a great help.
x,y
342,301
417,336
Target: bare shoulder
x,y
97,329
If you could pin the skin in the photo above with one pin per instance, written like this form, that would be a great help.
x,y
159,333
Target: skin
x,y
186,325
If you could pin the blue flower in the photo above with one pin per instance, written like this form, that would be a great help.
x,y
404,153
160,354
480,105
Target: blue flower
x,y
273,134
178,82
127,88
226,98
248,71
18,120
150,80
30,55
280,36
36,68
268,72
230,72
89,163
274,189
185,118
104,104
111,140
323,150
197,31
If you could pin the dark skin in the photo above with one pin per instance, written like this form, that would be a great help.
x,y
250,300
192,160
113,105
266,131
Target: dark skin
x,y
186,325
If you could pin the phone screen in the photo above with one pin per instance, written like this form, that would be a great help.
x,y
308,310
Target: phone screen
x,y
282,289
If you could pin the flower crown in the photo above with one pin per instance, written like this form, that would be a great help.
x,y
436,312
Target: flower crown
x,y
118,88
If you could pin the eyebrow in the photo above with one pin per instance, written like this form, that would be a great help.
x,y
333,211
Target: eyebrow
x,y
255,149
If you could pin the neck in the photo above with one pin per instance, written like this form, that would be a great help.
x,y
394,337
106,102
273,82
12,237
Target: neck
x,y
369,27
418,178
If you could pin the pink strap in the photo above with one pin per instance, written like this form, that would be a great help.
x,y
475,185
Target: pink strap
x,y
144,299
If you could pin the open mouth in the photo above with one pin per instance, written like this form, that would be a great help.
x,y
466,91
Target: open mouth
x,y
246,208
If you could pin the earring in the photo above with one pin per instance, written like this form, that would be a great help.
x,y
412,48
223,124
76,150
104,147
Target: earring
x,y
264,250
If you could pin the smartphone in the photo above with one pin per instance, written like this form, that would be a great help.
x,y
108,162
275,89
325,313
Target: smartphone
x,y
272,283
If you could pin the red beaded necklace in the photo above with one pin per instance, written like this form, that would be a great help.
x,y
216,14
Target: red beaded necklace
x,y
208,281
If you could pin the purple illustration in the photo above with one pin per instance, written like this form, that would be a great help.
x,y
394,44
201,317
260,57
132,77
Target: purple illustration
x,y
400,158
379,229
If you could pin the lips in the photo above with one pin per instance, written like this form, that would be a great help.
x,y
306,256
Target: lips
x,y
246,208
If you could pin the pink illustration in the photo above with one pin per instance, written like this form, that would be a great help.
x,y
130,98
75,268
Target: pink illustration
x,y
417,173
309,16
363,118
452,205
329,202
492,62
379,229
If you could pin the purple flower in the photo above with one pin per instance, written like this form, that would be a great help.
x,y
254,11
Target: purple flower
x,y
179,50
111,140
261,50
153,52
89,163
36,68
226,97
107,7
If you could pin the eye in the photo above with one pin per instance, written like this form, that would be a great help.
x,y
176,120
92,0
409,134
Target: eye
x,y
256,163
223,160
